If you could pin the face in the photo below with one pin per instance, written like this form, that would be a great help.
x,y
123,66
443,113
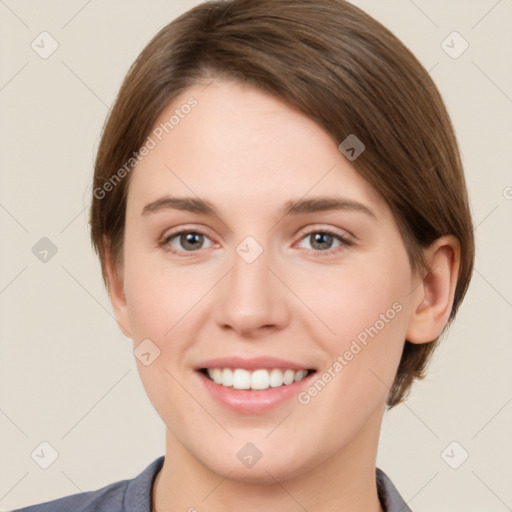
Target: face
x,y
256,256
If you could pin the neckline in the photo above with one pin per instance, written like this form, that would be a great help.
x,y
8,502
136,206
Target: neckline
x,y
380,476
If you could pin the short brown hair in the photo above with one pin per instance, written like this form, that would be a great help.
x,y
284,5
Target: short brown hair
x,y
338,66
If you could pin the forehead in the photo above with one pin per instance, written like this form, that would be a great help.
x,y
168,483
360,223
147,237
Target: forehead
x,y
242,147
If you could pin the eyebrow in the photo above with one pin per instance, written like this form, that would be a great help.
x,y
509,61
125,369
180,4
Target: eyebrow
x,y
291,207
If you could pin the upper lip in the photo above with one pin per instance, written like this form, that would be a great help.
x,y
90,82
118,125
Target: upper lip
x,y
252,363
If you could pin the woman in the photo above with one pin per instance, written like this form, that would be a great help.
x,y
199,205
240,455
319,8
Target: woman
x,y
282,220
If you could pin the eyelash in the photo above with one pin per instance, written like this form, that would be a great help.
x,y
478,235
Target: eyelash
x,y
164,242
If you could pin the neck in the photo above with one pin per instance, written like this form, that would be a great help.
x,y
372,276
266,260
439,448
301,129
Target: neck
x,y
344,481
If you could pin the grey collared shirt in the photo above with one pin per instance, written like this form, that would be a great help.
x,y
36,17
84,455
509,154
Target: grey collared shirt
x,y
135,496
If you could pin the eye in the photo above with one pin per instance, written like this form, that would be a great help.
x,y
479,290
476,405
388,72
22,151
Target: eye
x,y
322,240
190,241
186,241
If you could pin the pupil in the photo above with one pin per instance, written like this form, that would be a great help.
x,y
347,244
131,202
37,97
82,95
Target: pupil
x,y
322,238
190,238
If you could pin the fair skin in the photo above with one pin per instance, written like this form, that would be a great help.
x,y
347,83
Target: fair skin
x,y
301,300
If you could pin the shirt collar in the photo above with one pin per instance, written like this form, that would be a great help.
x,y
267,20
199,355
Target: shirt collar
x,y
390,498
139,491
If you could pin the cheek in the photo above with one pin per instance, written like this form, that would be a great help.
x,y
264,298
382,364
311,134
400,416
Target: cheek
x,y
351,299
161,295
366,312
163,304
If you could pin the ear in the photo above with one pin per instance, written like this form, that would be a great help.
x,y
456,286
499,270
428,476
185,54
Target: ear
x,y
433,297
116,291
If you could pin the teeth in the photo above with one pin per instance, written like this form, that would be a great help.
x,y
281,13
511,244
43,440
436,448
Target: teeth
x,y
260,379
217,376
288,377
300,375
257,379
241,379
276,378
227,377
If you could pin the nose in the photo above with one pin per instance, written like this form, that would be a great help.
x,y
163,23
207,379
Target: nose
x,y
252,300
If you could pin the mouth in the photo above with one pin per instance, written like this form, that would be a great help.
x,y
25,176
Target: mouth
x,y
255,385
259,379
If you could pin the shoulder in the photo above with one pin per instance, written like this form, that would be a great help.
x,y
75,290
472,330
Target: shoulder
x,y
122,496
388,494
109,498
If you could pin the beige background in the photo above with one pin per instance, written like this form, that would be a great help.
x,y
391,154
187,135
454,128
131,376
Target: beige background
x,y
67,374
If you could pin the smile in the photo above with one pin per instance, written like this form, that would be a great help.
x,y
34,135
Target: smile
x,y
257,380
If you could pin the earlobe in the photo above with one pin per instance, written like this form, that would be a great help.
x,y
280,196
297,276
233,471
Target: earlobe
x,y
434,296
116,291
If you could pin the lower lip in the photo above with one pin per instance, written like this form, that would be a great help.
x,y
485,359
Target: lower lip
x,y
252,402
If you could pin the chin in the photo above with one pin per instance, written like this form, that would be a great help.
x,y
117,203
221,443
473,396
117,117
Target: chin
x,y
263,472
268,464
